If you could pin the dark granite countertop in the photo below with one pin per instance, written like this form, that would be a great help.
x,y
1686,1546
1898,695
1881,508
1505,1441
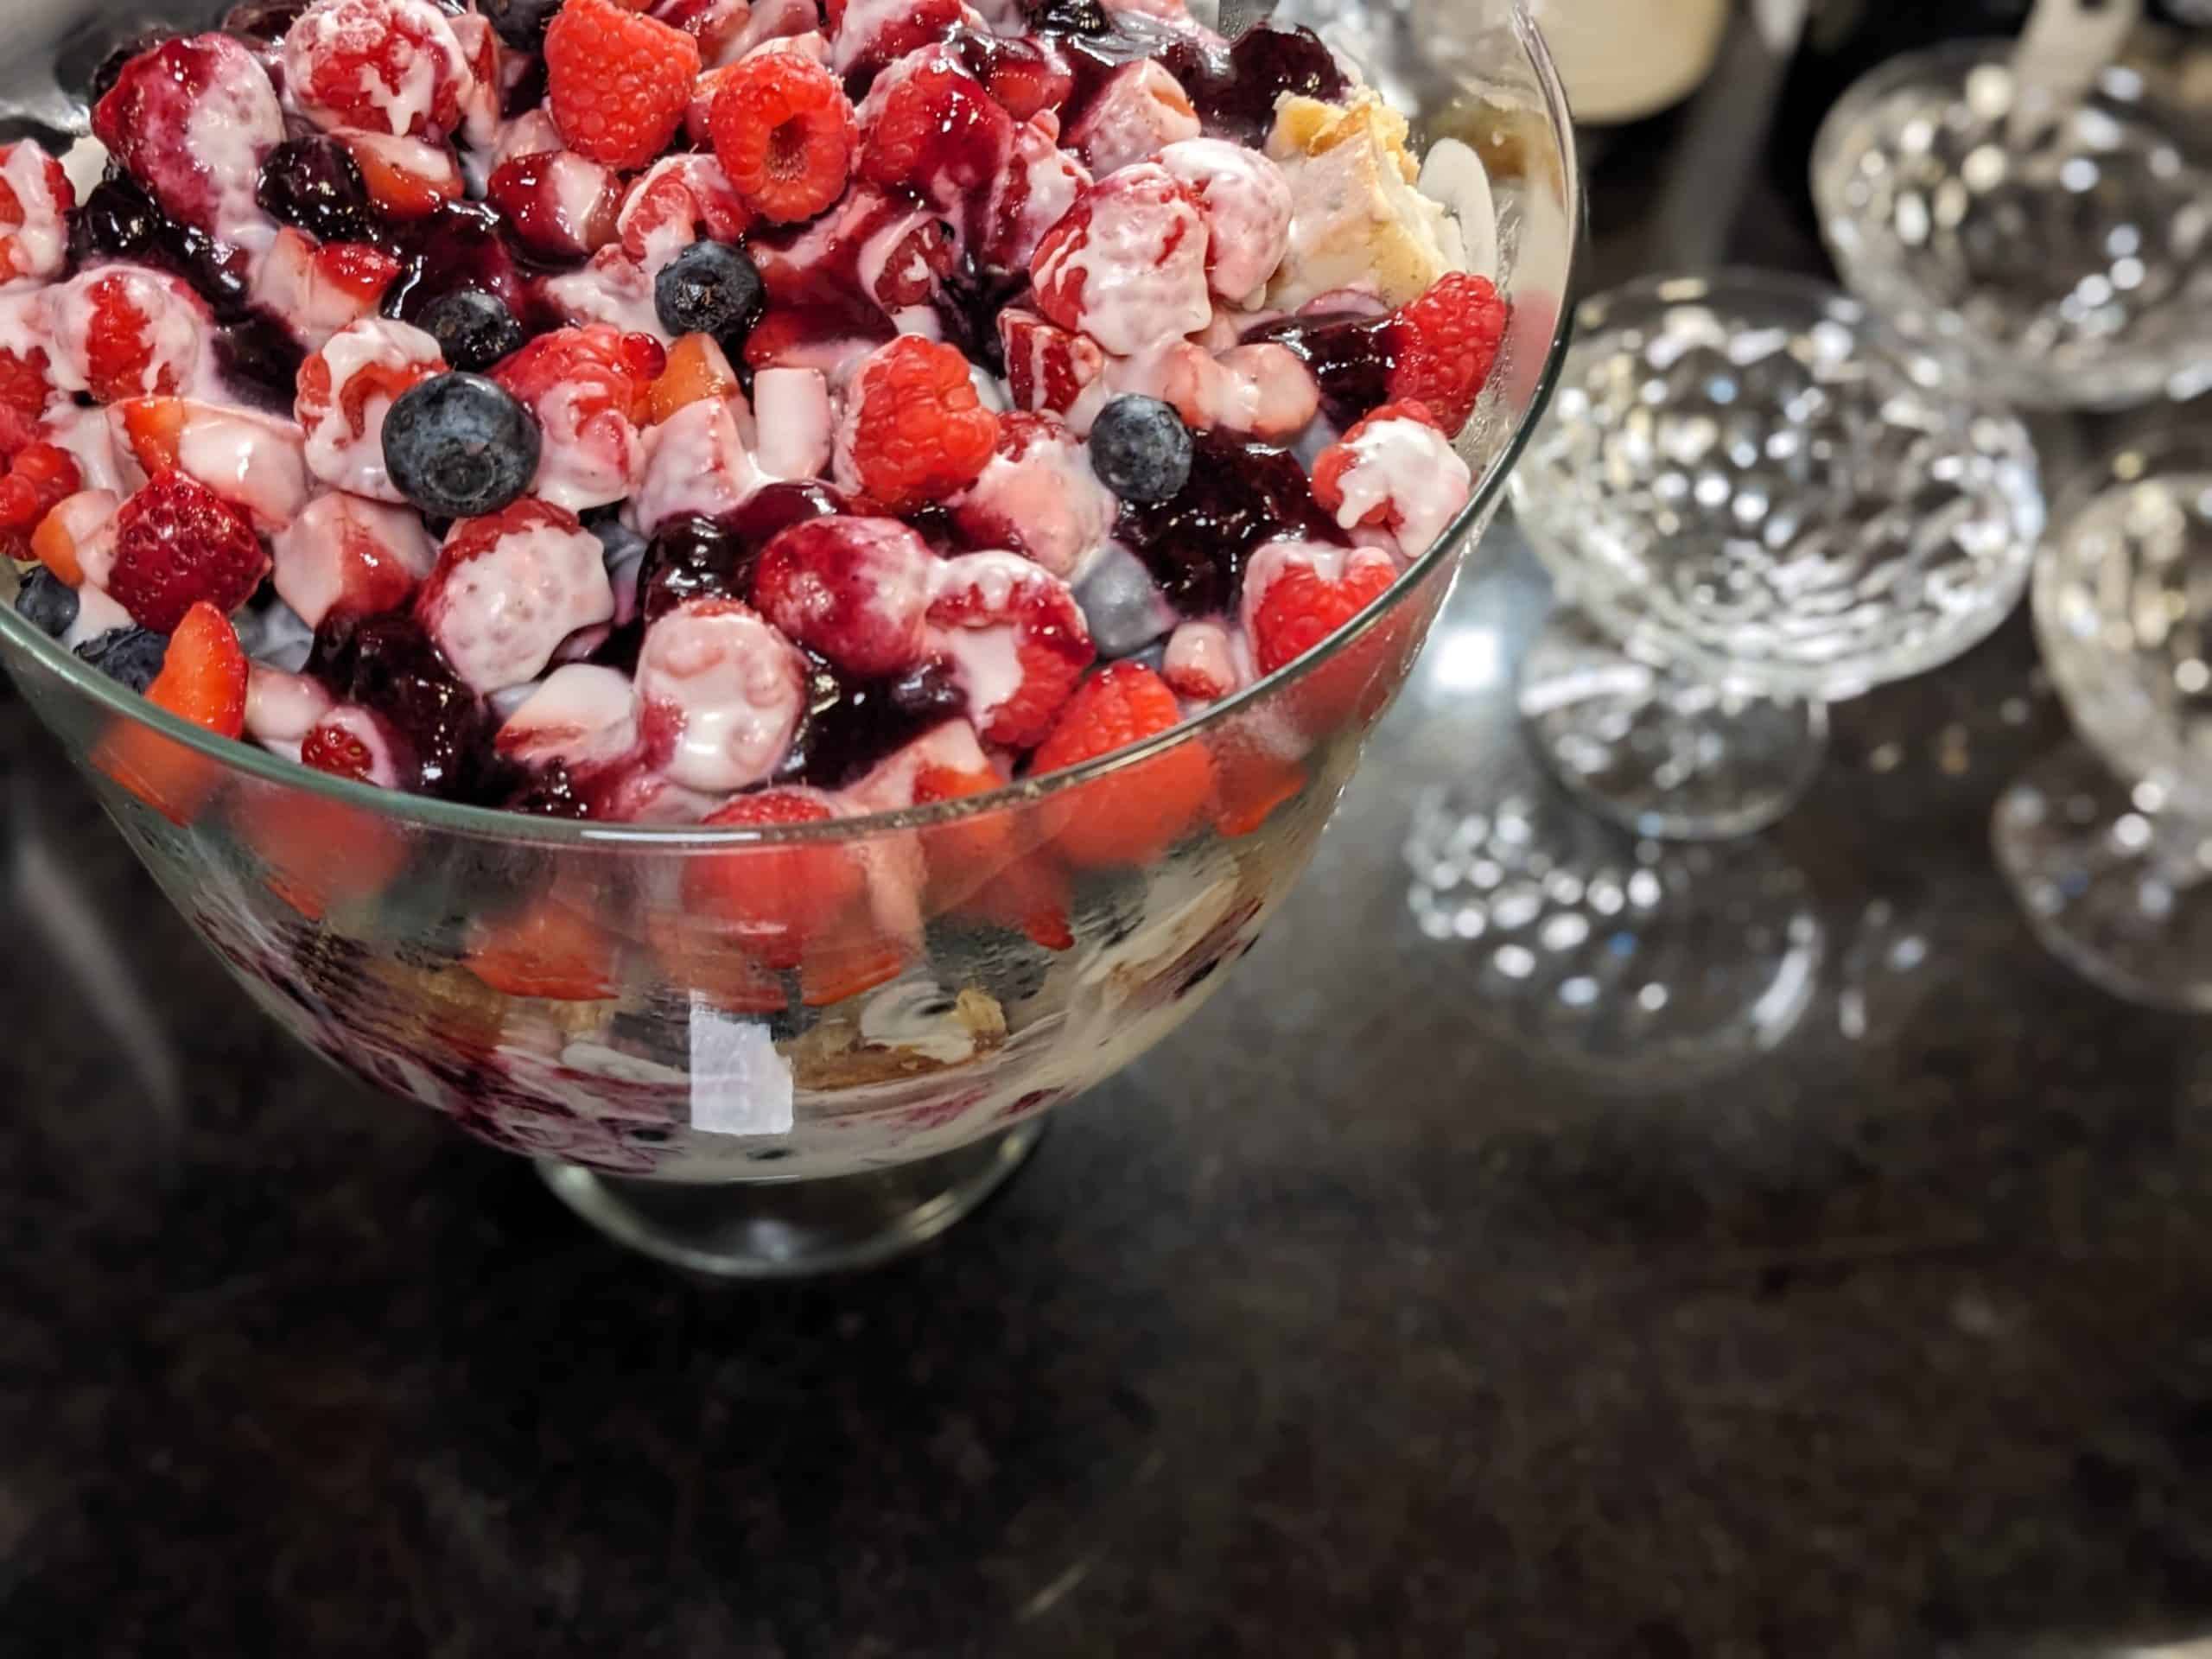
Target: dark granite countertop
x,y
1367,1316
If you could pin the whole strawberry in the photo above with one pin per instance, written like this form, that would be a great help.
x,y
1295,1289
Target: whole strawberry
x,y
178,544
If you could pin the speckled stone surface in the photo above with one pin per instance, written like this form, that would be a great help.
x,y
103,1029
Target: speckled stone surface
x,y
1362,1318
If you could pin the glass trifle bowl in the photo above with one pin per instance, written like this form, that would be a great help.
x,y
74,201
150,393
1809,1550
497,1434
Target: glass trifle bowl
x,y
637,1008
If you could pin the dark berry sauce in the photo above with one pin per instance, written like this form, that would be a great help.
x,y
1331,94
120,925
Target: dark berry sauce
x,y
463,244
1239,495
313,185
550,792
1233,92
1351,358
388,663
851,726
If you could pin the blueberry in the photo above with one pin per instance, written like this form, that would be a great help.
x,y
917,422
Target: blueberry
x,y
1141,449
709,288
521,23
315,185
1122,606
473,328
48,603
459,444
132,656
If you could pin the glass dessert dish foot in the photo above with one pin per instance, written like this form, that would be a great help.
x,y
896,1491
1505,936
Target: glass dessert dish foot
x,y
1927,203
1630,961
758,1046
2107,843
794,1229
1750,486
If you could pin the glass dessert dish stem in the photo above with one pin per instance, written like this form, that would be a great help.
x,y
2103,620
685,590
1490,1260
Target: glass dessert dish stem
x,y
794,1229
1658,749
2120,892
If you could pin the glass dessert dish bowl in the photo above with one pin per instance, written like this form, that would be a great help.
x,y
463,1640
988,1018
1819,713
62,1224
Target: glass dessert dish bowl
x,y
1759,499
2107,842
1927,198
635,1006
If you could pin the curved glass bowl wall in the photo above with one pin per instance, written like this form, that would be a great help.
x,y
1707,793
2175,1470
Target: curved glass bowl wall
x,y
828,1114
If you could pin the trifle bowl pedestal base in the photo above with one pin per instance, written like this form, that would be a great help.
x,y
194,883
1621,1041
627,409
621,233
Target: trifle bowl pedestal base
x,y
794,1229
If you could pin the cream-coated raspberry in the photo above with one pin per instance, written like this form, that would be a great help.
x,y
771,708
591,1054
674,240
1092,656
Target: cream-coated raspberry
x,y
1127,265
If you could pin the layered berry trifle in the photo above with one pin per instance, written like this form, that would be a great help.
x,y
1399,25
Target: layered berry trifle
x,y
673,415
745,414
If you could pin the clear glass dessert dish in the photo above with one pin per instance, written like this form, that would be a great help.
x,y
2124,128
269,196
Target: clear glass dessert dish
x,y
2063,270
1760,500
2107,843
557,988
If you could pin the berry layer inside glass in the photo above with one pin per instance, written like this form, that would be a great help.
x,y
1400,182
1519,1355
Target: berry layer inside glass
x,y
731,413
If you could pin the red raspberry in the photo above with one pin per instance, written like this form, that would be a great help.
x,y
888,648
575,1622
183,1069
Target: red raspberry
x,y
330,747
39,476
914,430
670,207
184,117
1309,598
126,343
1134,816
387,377
1144,224
784,132
35,200
933,127
178,544
24,392
1046,367
508,587
390,66
618,82
1339,459
986,603
558,202
774,899
603,367
855,590
1444,344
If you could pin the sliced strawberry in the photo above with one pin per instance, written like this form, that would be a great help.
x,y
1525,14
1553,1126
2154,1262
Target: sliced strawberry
x,y
775,902
406,178
986,867
697,369
560,204
320,855
203,680
193,118
552,951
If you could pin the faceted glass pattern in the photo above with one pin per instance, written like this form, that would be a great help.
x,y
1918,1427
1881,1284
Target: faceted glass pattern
x,y
2123,603
2065,269
1751,477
